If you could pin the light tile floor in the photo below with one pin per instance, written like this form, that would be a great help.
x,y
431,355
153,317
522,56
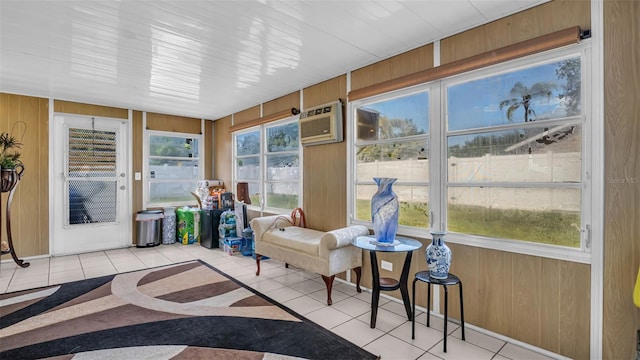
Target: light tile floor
x,y
299,290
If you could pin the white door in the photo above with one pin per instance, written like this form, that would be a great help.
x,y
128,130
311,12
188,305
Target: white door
x,y
89,197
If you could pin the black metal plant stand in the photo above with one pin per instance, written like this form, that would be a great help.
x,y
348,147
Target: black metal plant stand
x,y
9,181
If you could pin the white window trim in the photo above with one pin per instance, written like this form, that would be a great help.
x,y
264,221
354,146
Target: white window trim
x,y
145,163
234,174
437,140
262,130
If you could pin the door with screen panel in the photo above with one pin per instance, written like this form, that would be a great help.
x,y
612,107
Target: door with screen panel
x,y
90,188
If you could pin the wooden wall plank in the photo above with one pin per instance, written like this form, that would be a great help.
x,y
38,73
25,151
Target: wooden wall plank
x,y
495,283
544,19
550,300
249,114
173,123
70,107
223,163
621,319
325,166
392,68
464,264
208,150
27,118
137,134
574,298
42,174
527,285
282,103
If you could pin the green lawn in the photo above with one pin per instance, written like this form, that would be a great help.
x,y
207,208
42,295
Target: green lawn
x,y
549,227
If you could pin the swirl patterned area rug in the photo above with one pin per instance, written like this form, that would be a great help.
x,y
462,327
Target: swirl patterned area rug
x,y
183,311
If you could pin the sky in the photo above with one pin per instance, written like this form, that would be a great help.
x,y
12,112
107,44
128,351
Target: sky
x,y
476,104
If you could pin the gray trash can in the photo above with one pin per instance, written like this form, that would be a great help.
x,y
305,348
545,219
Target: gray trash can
x,y
149,228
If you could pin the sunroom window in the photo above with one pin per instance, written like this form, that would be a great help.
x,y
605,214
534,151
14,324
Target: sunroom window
x,y
392,140
173,167
496,157
267,157
514,154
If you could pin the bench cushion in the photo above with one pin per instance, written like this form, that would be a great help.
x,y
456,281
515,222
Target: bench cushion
x,y
304,240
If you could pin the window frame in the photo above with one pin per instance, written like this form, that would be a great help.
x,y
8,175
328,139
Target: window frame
x,y
147,181
354,143
438,134
262,181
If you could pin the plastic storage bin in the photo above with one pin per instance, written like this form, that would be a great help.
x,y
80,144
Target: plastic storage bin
x,y
148,228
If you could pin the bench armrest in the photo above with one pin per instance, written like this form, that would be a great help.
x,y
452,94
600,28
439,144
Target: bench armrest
x,y
342,237
260,225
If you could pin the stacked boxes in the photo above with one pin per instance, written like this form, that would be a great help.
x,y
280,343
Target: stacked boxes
x,y
232,245
227,233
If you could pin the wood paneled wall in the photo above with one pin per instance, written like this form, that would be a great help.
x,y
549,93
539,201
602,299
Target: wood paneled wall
x,y
282,103
172,123
246,115
70,107
395,67
325,166
137,133
208,150
223,154
27,118
622,175
544,19
543,302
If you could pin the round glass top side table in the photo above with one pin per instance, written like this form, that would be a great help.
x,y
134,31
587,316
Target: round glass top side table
x,y
400,244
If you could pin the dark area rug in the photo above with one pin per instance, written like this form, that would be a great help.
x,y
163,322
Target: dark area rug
x,y
183,311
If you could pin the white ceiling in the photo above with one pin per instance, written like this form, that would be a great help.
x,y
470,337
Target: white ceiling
x,y
212,58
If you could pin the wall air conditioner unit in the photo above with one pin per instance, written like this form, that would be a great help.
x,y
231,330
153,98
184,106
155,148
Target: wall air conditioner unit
x,y
322,124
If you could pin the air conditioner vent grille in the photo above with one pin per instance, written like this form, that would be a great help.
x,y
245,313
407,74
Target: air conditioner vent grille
x,y
322,124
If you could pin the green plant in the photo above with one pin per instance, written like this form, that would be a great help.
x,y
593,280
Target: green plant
x,y
9,156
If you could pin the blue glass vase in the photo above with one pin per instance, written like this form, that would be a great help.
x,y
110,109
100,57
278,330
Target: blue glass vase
x,y
384,211
438,256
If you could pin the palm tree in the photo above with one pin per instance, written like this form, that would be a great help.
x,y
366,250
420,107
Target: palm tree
x,y
522,96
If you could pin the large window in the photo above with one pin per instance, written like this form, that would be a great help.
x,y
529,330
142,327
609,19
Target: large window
x,y
496,157
173,168
268,157
392,140
514,154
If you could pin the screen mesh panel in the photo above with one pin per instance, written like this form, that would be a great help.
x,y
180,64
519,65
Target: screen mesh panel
x,y
92,176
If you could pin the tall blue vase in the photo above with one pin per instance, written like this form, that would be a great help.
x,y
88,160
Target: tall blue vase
x,y
384,211
438,256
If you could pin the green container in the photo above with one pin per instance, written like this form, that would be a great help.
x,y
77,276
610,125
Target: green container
x,y
188,225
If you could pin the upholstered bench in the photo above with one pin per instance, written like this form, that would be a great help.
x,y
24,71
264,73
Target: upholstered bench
x,y
325,253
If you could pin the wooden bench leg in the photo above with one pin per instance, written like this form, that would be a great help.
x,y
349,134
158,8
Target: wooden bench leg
x,y
258,256
358,271
328,280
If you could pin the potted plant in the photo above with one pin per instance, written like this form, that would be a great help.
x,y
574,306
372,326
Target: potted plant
x,y
10,162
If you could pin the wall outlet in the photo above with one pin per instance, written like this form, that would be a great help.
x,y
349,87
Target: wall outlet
x,y
385,265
